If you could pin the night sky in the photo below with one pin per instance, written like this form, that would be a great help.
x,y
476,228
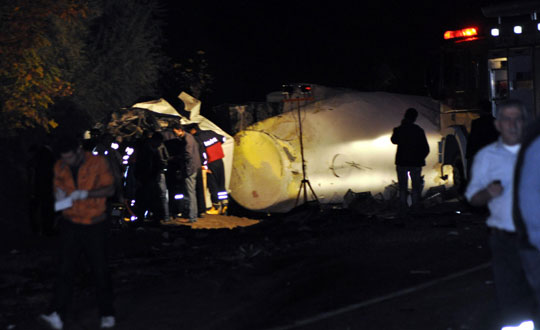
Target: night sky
x,y
253,47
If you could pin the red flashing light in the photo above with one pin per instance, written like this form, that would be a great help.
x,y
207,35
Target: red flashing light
x,y
463,33
305,88
465,40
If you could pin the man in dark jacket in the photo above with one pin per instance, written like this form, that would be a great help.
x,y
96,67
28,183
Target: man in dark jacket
x,y
192,162
411,153
212,158
150,172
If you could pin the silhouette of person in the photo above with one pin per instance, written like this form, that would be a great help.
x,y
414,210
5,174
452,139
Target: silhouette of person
x,y
483,132
40,168
412,150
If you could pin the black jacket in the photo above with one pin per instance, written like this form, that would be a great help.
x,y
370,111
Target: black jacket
x,y
412,144
531,134
184,155
151,161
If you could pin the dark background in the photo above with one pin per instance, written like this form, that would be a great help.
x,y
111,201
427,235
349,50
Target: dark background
x,y
253,47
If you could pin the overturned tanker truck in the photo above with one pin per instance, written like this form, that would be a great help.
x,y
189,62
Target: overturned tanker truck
x,y
345,143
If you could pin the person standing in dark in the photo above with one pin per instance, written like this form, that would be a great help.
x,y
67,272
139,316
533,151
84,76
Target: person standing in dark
x,y
82,184
192,163
213,160
526,208
483,132
412,150
202,175
40,170
174,175
104,147
150,172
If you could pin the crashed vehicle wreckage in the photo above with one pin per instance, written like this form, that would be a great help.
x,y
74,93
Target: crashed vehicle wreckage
x,y
118,136
346,144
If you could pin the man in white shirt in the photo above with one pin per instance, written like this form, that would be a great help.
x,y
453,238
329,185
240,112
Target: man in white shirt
x,y
492,185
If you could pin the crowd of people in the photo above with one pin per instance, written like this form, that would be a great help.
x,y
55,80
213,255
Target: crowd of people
x,y
161,176
167,173
160,170
170,170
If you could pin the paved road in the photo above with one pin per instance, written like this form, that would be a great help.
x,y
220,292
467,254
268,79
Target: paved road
x,y
466,301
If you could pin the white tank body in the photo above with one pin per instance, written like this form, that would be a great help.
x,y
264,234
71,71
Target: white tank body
x,y
346,136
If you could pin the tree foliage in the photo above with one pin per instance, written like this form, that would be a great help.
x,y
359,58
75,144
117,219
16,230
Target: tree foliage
x,y
124,56
98,54
30,76
191,75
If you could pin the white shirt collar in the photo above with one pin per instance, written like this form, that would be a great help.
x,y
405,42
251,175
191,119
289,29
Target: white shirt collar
x,y
513,149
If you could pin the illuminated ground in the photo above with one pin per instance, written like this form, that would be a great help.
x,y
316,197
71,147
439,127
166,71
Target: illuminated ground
x,y
210,221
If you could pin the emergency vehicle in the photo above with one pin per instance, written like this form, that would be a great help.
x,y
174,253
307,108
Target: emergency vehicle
x,y
495,60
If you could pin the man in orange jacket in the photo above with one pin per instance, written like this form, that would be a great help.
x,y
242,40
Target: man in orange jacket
x,y
82,183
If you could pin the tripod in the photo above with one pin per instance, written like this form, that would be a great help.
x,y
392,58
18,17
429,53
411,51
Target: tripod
x,y
304,184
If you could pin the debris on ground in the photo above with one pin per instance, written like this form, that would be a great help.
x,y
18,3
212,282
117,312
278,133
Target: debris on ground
x,y
362,203
386,202
434,196
391,191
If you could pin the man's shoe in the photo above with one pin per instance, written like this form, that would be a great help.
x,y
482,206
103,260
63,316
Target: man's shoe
x,y
224,210
52,320
108,322
213,210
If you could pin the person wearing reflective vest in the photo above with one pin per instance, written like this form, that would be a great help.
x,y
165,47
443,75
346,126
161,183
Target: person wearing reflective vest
x,y
82,184
213,162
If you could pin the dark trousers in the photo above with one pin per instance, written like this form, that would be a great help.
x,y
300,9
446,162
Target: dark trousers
x,y
403,182
201,201
142,198
153,197
216,180
530,258
174,187
514,295
42,213
92,240
190,197
163,198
